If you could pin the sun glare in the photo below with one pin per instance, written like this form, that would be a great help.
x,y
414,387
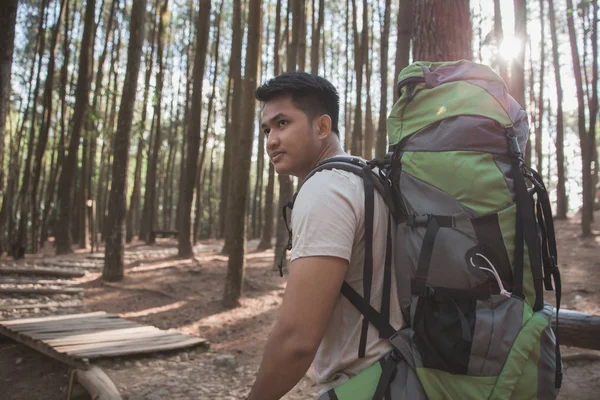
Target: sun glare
x,y
509,48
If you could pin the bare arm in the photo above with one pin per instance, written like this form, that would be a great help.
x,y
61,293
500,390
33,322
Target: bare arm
x,y
312,291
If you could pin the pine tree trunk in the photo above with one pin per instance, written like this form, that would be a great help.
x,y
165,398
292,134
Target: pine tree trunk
x,y
369,127
442,30
540,100
239,181
405,34
8,20
499,39
517,73
45,128
194,128
316,37
151,184
134,205
381,143
359,43
561,191
587,205
65,200
114,252
588,212
267,231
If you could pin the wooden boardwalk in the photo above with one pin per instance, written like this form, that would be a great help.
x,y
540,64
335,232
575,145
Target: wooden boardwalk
x,y
75,339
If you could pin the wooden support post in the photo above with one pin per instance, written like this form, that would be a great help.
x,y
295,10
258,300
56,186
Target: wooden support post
x,y
578,329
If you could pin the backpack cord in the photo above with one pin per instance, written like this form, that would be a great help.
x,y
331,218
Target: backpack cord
x,y
503,291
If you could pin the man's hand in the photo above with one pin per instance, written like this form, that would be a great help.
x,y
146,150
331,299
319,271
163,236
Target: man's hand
x,y
313,289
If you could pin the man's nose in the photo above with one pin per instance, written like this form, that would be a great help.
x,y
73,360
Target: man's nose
x,y
272,140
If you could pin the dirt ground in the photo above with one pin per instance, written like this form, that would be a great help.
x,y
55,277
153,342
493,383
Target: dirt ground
x,y
170,293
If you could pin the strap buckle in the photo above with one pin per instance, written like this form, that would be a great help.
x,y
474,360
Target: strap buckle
x,y
418,220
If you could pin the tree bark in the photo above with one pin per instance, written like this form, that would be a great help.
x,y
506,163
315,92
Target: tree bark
x,y
115,245
8,20
561,191
405,34
381,143
65,199
360,43
194,128
442,30
499,39
40,149
239,181
584,142
540,100
316,38
152,181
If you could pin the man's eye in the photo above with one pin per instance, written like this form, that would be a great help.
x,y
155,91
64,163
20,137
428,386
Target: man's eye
x,y
266,132
282,123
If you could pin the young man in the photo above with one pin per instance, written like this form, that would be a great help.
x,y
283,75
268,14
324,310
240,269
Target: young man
x,y
316,324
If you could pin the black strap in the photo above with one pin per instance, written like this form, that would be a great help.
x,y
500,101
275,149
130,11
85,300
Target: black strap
x,y
372,315
388,370
368,264
526,227
387,275
434,223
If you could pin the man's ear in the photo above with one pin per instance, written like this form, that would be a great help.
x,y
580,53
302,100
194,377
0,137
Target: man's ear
x,y
324,126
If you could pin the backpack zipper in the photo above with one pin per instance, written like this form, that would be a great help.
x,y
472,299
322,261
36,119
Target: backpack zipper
x,y
411,81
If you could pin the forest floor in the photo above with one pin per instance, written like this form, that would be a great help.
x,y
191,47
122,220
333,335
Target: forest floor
x,y
171,293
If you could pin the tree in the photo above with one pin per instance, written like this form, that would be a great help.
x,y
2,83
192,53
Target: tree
x,y
561,192
442,30
65,191
194,128
405,33
499,38
117,206
315,36
360,58
540,99
584,141
381,144
237,207
267,232
8,19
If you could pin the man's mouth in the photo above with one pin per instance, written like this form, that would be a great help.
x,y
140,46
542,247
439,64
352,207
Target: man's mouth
x,y
276,156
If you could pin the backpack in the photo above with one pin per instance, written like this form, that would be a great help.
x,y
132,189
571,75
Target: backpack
x,y
471,240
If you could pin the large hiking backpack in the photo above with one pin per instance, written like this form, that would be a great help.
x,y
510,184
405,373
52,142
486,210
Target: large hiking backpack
x,y
471,241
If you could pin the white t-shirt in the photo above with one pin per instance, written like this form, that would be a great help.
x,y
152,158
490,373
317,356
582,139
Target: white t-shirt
x,y
328,220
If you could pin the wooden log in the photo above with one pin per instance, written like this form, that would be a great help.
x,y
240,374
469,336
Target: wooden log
x,y
578,329
58,273
68,290
41,305
98,384
18,321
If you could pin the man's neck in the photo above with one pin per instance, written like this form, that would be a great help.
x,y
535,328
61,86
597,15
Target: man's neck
x,y
327,153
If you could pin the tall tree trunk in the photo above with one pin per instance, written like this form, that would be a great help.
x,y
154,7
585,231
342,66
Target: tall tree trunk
x,y
499,39
65,199
267,232
347,82
207,128
442,30
588,212
134,205
561,191
40,149
151,183
587,208
405,34
234,126
540,100
194,128
316,37
381,144
360,44
21,240
239,182
369,126
8,21
113,257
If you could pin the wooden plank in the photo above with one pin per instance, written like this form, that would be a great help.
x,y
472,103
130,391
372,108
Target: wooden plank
x,y
108,324
69,290
143,349
59,273
105,336
44,349
20,321
156,344
116,342
131,343
98,384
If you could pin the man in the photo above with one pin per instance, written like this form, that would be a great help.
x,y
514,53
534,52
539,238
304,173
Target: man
x,y
316,324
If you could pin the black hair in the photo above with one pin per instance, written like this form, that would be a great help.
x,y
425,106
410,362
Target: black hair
x,y
309,92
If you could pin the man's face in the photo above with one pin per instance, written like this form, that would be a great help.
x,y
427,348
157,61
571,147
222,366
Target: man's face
x,y
293,143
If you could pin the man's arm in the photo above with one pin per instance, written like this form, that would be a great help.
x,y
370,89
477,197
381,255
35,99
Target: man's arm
x,y
313,289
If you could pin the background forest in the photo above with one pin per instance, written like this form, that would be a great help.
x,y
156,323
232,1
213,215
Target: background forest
x,y
124,119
